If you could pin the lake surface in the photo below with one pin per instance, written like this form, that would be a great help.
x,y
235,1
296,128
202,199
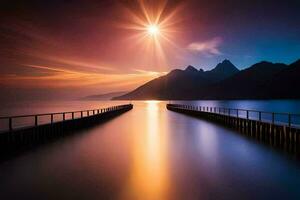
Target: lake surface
x,y
152,153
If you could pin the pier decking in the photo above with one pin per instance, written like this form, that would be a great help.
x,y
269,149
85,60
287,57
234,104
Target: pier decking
x,y
29,130
277,129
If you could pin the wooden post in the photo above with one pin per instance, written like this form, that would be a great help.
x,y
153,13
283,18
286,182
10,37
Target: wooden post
x,y
51,118
273,118
290,120
35,120
64,116
72,115
247,114
81,114
10,124
259,116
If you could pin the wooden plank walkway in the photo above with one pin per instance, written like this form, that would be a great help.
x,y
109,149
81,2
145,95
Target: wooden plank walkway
x,y
17,136
272,130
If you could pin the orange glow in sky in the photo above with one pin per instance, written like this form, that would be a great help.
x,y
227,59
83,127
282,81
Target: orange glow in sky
x,y
94,47
120,55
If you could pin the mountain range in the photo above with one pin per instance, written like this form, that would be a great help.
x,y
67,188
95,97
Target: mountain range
x,y
264,80
106,96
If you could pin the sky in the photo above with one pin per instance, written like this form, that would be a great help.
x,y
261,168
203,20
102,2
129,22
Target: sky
x,y
72,48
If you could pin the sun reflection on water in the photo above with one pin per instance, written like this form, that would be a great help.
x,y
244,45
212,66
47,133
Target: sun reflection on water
x,y
148,177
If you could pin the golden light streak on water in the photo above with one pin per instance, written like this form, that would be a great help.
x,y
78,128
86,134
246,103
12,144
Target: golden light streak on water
x,y
149,174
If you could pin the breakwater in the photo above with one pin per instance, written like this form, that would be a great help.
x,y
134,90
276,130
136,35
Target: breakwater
x,y
26,131
276,129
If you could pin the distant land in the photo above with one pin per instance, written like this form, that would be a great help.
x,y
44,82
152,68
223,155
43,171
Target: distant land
x,y
106,96
264,80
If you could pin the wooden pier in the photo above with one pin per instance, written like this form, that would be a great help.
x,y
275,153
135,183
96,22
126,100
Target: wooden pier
x,y
42,128
276,129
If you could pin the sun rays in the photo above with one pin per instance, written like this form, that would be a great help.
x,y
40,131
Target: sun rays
x,y
154,30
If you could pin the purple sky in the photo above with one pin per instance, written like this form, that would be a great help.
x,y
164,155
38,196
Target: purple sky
x,y
81,47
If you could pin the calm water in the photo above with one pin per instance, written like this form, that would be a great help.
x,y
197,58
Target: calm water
x,y
152,153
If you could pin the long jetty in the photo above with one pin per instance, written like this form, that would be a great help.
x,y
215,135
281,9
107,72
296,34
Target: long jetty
x,y
276,129
25,131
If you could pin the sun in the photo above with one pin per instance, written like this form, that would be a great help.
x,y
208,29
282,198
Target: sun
x,y
153,30
154,24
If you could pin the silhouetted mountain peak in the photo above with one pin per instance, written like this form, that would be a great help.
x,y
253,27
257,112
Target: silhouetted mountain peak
x,y
296,63
225,81
227,62
225,67
265,66
262,63
175,72
190,69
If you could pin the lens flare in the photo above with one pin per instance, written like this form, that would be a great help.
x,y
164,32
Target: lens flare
x,y
154,28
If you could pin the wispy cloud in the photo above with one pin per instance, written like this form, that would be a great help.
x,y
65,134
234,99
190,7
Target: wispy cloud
x,y
147,72
54,69
208,47
75,63
59,77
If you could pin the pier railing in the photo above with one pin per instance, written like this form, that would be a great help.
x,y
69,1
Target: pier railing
x,y
285,119
11,123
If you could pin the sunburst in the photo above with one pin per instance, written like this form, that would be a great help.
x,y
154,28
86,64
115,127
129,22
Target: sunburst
x,y
155,28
